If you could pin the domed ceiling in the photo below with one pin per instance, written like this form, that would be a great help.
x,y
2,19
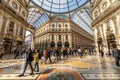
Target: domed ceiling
x,y
78,10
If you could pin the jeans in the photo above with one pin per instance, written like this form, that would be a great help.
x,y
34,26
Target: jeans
x,y
36,66
26,64
117,61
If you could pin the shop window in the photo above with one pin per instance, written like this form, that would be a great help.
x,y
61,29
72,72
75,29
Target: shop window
x,y
11,26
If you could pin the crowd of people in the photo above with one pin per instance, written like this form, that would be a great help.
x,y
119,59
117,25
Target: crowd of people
x,y
46,54
37,55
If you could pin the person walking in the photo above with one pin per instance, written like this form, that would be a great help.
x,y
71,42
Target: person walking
x,y
29,59
36,60
116,53
45,55
49,55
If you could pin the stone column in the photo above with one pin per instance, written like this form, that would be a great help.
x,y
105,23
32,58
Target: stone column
x,y
18,30
95,38
116,21
103,29
7,26
62,38
32,42
24,33
69,40
2,29
48,40
1,23
15,30
112,25
56,41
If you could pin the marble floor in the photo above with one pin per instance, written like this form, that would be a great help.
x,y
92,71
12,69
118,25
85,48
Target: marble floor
x,y
72,68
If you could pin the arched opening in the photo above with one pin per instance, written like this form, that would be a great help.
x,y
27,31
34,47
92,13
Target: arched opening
x,y
52,44
67,44
59,44
111,41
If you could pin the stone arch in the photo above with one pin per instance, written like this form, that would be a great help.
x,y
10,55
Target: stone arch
x,y
111,40
59,44
67,44
52,44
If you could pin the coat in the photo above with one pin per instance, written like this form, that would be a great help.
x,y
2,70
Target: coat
x,y
116,53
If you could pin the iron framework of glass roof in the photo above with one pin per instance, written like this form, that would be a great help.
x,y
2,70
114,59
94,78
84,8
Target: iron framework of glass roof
x,y
60,6
36,18
38,15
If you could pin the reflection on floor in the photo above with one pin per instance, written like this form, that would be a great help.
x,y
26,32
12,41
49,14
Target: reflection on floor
x,y
74,68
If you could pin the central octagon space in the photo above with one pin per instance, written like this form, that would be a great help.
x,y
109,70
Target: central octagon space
x,y
60,76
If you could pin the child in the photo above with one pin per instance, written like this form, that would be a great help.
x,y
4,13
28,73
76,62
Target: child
x,y
36,59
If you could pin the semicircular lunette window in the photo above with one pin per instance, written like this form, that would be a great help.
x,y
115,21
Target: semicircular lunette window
x,y
60,6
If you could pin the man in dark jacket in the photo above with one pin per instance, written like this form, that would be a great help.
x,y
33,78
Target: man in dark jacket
x,y
29,59
116,55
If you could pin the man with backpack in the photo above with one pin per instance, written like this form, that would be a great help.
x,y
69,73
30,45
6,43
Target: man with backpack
x,y
116,53
29,59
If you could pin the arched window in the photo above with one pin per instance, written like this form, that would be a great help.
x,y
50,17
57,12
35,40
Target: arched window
x,y
59,25
66,25
53,25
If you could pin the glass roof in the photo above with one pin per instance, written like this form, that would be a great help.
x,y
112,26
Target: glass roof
x,y
39,12
60,6
83,19
36,18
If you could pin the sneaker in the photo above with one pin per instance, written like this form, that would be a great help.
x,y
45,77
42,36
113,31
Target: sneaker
x,y
20,75
37,71
31,74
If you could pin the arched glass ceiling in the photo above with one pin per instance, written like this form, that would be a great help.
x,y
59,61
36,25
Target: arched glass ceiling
x,y
60,6
36,18
80,16
83,19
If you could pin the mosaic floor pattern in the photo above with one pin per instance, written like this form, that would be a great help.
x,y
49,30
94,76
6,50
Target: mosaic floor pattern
x,y
89,68
60,74
101,76
15,77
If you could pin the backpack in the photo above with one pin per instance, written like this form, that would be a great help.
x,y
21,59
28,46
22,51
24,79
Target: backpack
x,y
45,53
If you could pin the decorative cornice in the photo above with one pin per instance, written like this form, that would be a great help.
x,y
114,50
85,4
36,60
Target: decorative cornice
x,y
14,15
106,14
